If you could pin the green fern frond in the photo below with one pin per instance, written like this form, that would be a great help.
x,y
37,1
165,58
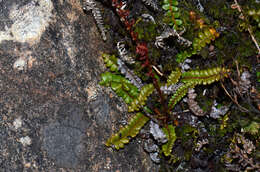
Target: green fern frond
x,y
110,61
121,138
204,37
171,137
179,94
141,99
204,77
174,77
120,85
172,12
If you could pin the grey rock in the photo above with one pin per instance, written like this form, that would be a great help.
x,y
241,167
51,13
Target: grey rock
x,y
157,133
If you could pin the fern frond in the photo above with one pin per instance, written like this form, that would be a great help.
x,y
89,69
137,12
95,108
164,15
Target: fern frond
x,y
179,94
174,77
169,131
141,99
172,11
110,61
204,77
119,139
204,37
91,5
120,85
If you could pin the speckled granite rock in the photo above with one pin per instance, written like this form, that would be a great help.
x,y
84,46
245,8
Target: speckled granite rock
x,y
54,115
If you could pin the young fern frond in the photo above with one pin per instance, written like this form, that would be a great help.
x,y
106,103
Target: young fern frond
x,y
174,77
204,77
179,94
141,99
169,131
110,61
204,37
119,139
120,85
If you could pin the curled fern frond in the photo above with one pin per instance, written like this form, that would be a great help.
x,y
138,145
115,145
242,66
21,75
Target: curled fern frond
x,y
151,3
123,53
121,138
204,77
169,131
193,104
120,85
179,94
110,61
170,89
141,99
170,32
91,5
174,77
129,74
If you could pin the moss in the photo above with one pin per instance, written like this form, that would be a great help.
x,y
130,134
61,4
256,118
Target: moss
x,y
146,30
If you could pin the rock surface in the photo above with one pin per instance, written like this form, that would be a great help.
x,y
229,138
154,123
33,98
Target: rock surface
x,y
49,73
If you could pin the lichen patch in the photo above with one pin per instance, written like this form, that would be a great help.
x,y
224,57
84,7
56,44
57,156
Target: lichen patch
x,y
29,22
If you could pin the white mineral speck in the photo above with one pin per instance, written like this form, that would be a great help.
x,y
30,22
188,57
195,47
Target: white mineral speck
x,y
25,141
17,123
20,64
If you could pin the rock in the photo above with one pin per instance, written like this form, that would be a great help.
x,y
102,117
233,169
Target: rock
x,y
55,91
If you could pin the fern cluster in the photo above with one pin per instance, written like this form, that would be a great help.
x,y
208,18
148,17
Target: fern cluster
x,y
127,85
137,99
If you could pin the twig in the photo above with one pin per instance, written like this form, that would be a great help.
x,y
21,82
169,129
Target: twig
x,y
157,70
237,6
235,101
